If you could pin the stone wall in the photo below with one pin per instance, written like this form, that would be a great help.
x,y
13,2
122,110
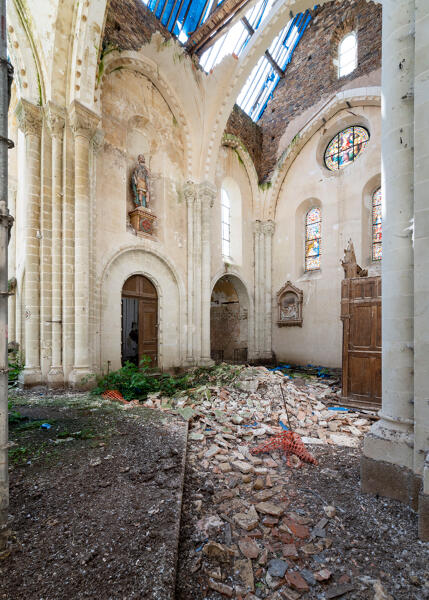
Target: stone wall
x,y
312,75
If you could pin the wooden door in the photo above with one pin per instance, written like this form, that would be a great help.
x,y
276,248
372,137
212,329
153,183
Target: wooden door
x,y
139,320
361,316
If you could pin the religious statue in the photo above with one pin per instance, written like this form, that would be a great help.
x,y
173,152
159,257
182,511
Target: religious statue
x,y
140,183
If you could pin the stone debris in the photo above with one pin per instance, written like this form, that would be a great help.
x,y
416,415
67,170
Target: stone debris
x,y
253,545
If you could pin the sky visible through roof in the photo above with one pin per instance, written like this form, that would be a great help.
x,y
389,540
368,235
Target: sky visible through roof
x,y
182,17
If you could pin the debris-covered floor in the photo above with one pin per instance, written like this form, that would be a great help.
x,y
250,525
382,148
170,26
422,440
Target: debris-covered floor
x,y
252,527
95,498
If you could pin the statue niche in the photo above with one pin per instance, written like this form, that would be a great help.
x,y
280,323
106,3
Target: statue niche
x,y
289,303
141,217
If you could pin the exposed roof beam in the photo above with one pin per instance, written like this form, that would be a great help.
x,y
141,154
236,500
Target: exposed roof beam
x,y
219,19
274,64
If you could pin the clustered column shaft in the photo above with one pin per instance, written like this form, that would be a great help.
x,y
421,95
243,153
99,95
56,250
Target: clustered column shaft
x,y
30,122
84,123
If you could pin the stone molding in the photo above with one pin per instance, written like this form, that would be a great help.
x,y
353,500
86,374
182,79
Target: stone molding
x,y
55,119
29,117
257,227
83,121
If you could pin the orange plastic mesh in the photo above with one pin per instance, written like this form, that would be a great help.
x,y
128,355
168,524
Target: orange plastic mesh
x,y
113,395
290,443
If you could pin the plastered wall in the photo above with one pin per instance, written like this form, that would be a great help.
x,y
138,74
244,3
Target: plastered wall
x,y
344,199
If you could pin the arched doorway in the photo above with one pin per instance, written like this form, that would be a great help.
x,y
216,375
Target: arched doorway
x,y
229,321
139,320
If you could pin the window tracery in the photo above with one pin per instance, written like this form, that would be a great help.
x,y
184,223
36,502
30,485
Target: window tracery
x,y
377,232
345,147
313,222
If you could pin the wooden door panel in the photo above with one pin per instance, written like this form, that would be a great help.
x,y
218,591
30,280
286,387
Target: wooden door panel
x,y
362,338
361,326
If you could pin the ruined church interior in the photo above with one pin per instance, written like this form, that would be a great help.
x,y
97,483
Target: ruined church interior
x,y
218,300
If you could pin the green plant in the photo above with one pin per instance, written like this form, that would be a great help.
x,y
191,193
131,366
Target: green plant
x,y
15,367
14,416
137,381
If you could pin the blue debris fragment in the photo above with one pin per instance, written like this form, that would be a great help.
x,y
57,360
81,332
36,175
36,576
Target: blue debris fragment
x,y
255,424
283,426
341,408
45,426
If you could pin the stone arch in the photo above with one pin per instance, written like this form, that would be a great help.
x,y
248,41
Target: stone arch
x,y
137,62
245,300
28,64
234,73
341,101
234,142
123,264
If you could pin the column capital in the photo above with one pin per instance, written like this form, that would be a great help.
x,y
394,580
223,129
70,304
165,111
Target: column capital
x,y
207,193
98,140
54,119
257,226
268,227
29,117
190,192
83,121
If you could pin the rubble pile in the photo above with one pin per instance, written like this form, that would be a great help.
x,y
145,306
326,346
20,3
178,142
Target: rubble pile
x,y
249,542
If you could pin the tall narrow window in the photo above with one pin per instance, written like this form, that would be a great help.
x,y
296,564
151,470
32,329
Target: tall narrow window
x,y
226,224
347,55
377,232
313,222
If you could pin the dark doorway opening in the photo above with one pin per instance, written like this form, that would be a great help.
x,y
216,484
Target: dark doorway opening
x,y
139,320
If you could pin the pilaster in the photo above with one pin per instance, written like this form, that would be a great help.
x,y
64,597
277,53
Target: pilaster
x,y
55,121
30,122
268,231
190,194
206,195
84,124
257,238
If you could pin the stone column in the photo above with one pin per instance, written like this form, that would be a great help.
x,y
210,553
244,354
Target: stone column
x,y
268,230
84,123
257,266
30,122
190,195
197,271
207,194
55,121
387,465
421,260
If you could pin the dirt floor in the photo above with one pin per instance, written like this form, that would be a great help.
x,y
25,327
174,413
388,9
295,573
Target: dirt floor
x,y
95,502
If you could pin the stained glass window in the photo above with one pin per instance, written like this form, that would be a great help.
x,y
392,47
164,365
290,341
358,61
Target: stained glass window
x,y
312,239
226,223
347,55
346,147
377,232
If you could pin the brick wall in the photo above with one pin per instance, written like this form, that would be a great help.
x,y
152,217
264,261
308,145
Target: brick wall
x,y
250,133
312,74
129,25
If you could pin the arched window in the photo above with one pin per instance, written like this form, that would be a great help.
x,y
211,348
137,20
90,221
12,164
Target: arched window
x,y
313,222
347,55
377,232
226,223
345,147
